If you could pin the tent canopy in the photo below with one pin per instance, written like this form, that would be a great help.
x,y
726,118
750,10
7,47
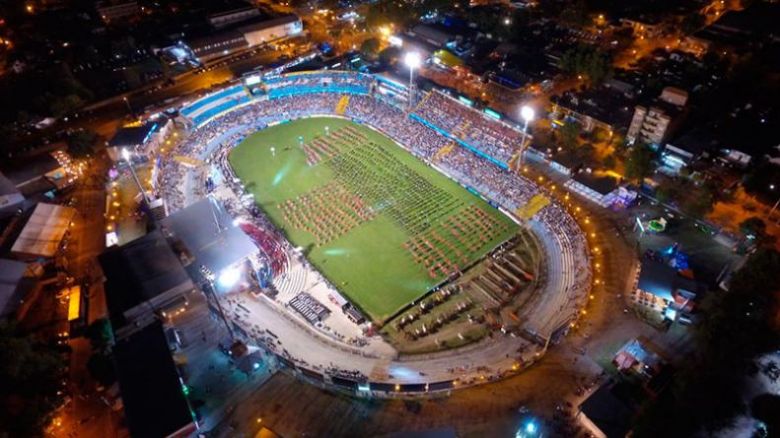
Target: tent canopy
x,y
43,232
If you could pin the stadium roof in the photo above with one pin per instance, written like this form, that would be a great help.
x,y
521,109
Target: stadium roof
x,y
11,273
43,232
152,394
207,231
140,271
133,136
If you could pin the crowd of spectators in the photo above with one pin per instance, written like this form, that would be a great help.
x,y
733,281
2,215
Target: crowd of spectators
x,y
213,141
488,135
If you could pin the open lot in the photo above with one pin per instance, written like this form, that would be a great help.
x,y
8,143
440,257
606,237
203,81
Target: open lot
x,y
381,225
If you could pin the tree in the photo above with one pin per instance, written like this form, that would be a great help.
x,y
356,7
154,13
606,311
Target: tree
x,y
101,369
639,164
766,407
588,61
99,333
610,161
753,225
668,190
569,134
30,374
575,14
81,143
370,47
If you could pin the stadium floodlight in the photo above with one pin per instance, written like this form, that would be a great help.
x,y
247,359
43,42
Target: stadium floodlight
x,y
527,113
127,155
412,60
228,277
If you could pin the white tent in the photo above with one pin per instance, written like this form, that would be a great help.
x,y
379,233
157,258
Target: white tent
x,y
42,234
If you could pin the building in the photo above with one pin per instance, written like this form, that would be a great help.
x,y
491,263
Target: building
x,y
685,150
10,197
142,139
271,30
153,392
653,124
736,32
213,46
243,34
663,290
638,356
39,174
222,19
144,281
608,412
601,188
605,108
11,290
117,11
210,238
44,231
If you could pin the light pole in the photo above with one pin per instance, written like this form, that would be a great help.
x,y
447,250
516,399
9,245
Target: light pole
x,y
413,61
527,114
774,207
127,102
126,156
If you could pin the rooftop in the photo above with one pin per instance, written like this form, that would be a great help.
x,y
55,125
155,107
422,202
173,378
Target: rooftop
x,y
152,393
207,230
11,273
139,271
133,136
609,410
662,280
602,184
604,104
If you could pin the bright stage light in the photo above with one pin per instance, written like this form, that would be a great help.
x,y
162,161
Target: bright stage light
x,y
229,277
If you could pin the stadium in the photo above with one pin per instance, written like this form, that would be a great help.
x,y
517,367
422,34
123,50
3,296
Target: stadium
x,y
386,225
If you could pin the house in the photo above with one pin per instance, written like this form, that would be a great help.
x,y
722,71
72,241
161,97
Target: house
x,y
654,123
663,290
639,357
144,281
604,107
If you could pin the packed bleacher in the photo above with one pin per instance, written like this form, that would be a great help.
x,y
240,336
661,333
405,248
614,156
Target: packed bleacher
x,y
317,82
214,104
487,135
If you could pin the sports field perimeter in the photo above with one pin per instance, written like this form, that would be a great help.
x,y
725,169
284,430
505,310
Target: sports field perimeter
x,y
381,225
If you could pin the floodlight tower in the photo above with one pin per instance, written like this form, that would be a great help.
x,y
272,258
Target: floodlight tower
x,y
413,61
527,114
127,156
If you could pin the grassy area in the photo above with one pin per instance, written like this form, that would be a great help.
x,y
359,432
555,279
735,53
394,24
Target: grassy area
x,y
379,224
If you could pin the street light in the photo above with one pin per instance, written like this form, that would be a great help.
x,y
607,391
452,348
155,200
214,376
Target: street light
x,y
413,61
527,113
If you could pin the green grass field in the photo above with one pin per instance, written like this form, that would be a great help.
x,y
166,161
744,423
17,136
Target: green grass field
x,y
378,223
